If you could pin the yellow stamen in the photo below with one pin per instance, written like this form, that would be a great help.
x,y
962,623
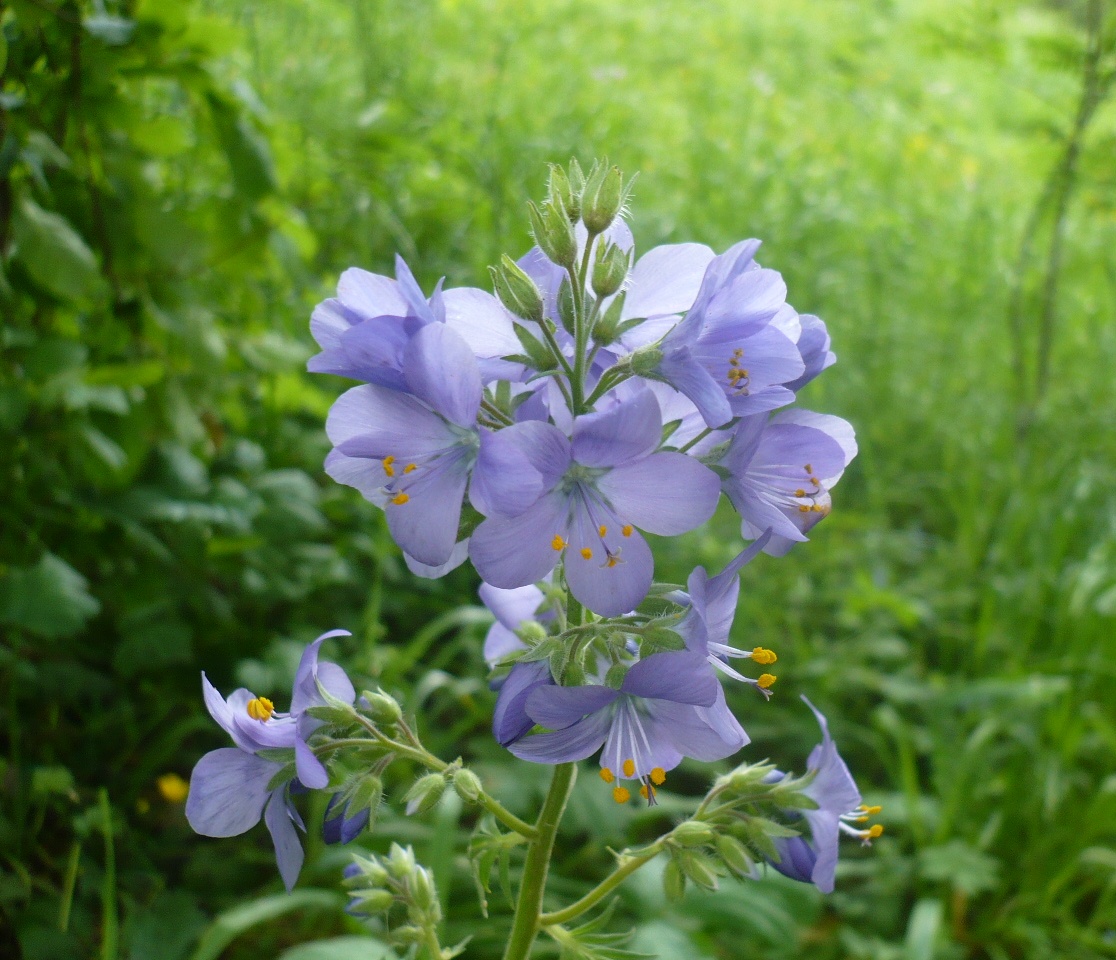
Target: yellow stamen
x,y
802,508
766,680
410,467
587,553
172,787
612,561
621,794
876,830
261,708
607,775
871,811
626,530
388,468
643,791
602,530
800,493
558,543
862,819
809,469
400,498
763,656
629,768
815,481
658,776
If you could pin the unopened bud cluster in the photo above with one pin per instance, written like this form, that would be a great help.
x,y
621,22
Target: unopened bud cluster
x,y
377,884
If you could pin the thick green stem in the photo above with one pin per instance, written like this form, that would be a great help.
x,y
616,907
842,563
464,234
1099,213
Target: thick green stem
x,y
605,887
525,924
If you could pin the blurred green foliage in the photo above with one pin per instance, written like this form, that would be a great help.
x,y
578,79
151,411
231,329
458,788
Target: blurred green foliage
x,y
181,180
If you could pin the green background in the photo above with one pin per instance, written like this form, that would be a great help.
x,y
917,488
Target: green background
x,y
182,180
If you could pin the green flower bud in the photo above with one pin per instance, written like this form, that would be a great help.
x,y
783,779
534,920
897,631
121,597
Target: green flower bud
x,y
691,834
607,327
421,887
698,870
468,786
674,882
401,860
602,198
646,360
566,310
553,233
425,793
735,855
609,269
408,934
532,632
615,675
516,290
562,194
382,707
534,349
372,901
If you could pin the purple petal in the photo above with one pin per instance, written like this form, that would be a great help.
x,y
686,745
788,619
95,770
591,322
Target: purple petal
x,y
630,430
677,675
515,552
559,707
363,473
228,790
330,319
576,742
425,526
504,481
512,607
378,422
482,322
665,494
690,378
687,728
288,850
309,670
310,769
499,642
429,571
370,294
372,351
411,292
666,280
338,827
610,586
441,369
217,706
797,860
510,720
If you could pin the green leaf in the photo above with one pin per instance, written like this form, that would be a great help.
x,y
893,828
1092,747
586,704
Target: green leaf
x,y
922,930
340,948
50,599
247,152
232,923
54,254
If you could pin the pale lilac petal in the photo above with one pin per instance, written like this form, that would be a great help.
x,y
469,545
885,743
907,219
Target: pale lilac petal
x,y
309,671
559,707
512,607
425,526
691,734
372,351
677,675
666,280
633,736
218,708
504,482
515,552
228,790
441,369
429,571
288,850
690,378
545,446
310,770
363,473
665,494
611,590
376,419
724,723
797,860
510,720
813,343
840,431
499,642
547,276
581,740
482,322
370,294
630,430
411,292
330,319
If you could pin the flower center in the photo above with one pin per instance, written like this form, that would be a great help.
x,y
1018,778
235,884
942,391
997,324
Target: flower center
x,y
260,709
737,376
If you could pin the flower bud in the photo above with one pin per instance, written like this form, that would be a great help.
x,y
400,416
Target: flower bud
x,y
607,327
674,882
602,198
468,786
421,887
553,233
563,194
735,855
615,676
567,312
691,834
698,870
609,269
534,349
371,901
408,934
646,360
516,290
425,793
381,707
401,860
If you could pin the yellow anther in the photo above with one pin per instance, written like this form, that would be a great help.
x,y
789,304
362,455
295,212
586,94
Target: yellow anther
x,y
621,794
629,768
586,553
410,467
809,469
658,776
819,508
172,787
800,493
602,529
612,561
643,791
738,352
558,543
874,831
766,680
871,811
607,775
260,708
626,530
803,508
400,498
815,481
862,819
763,656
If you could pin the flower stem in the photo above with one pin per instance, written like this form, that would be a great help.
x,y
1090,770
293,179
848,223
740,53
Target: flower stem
x,y
525,924
631,864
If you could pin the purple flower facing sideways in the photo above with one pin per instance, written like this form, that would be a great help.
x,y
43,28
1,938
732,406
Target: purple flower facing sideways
x,y
645,727
414,454
230,788
813,858
512,608
597,490
781,471
706,625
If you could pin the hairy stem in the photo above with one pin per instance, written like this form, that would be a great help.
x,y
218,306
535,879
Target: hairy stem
x,y
630,865
525,924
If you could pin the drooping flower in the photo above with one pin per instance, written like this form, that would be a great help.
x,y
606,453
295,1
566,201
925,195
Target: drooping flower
x,y
512,608
599,491
338,826
645,727
781,471
415,453
712,607
813,858
231,787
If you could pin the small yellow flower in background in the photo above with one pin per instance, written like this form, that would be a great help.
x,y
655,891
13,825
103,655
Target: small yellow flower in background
x,y
172,788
